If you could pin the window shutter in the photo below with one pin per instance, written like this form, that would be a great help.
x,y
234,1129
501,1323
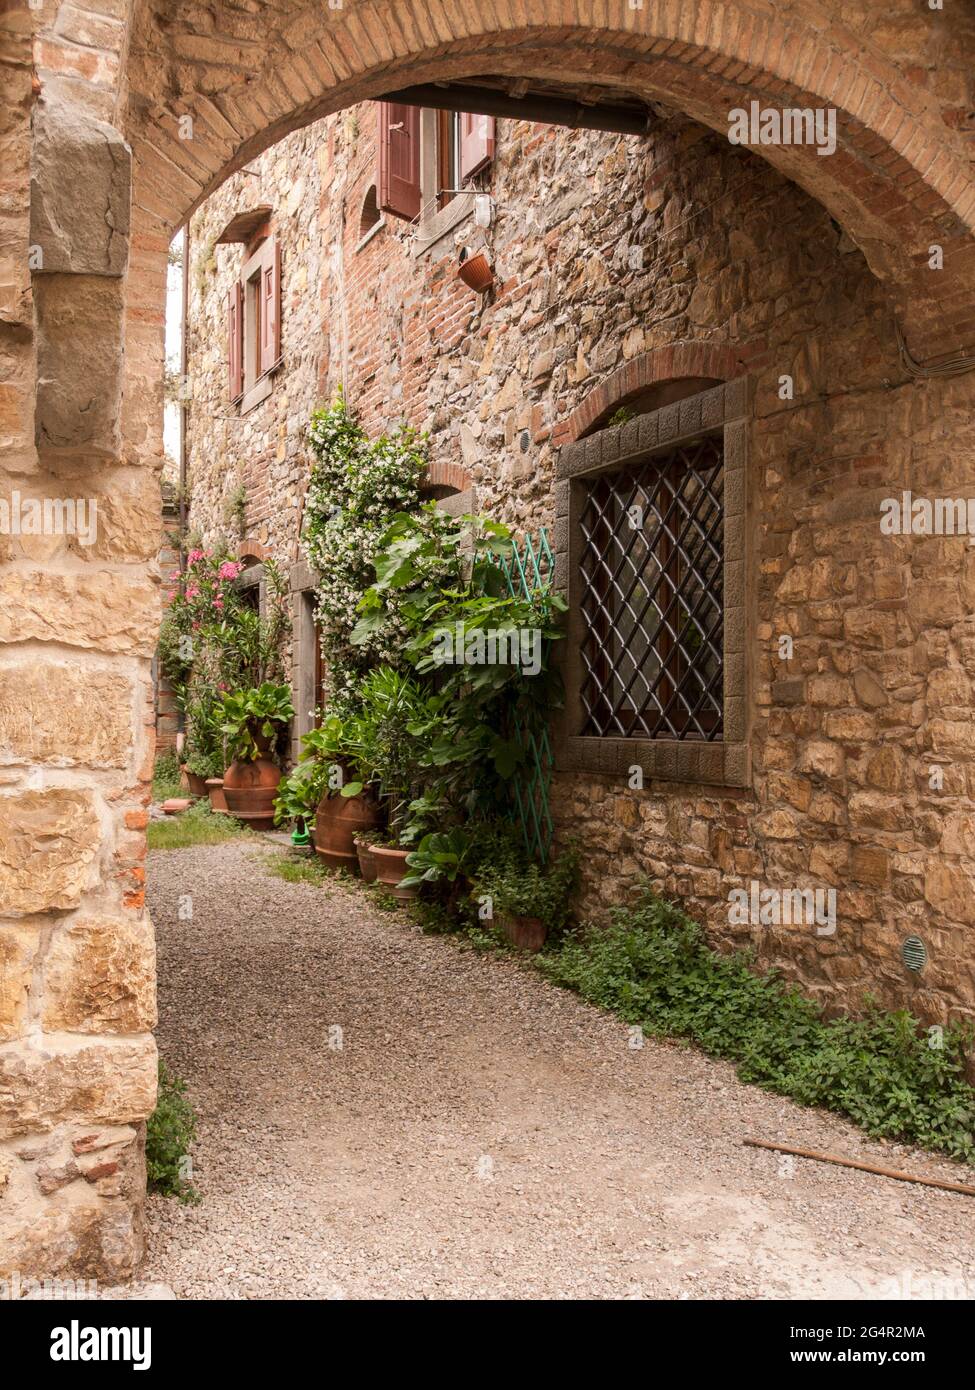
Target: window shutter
x,y
399,159
476,143
235,340
270,310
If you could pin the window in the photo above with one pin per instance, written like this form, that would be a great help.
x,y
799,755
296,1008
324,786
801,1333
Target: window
x,y
651,598
254,325
651,559
425,157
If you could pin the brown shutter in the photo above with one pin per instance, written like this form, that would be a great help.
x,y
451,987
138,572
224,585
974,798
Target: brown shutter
x,y
235,340
399,159
270,310
476,143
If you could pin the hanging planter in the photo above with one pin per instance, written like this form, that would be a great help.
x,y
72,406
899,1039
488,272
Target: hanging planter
x,y
475,271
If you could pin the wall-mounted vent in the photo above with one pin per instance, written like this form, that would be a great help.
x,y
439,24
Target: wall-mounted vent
x,y
914,953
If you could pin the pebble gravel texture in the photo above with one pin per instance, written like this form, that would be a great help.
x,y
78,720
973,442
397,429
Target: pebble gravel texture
x,y
480,1134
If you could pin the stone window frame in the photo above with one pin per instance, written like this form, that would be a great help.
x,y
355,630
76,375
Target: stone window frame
x,y
725,762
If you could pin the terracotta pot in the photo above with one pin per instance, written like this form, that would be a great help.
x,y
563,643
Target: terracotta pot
x,y
367,864
250,789
196,783
524,933
391,866
475,272
218,802
338,820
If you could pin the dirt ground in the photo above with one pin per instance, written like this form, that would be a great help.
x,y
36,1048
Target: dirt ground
x,y
386,1115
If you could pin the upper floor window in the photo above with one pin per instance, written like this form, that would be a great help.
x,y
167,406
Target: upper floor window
x,y
254,324
427,158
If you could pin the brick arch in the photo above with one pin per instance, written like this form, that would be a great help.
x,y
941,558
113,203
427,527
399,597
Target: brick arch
x,y
691,359
252,550
447,474
897,182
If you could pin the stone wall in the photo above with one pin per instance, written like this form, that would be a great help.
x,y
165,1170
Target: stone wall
x,y
621,263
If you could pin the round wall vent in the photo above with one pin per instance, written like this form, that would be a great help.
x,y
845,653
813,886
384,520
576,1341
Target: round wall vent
x,y
914,953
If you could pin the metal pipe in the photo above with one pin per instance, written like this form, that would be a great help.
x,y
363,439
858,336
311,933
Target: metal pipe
x,y
486,101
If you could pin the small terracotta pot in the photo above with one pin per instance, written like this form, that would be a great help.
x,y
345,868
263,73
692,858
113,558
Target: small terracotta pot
x,y
367,864
337,822
476,272
524,933
250,789
391,866
218,802
196,783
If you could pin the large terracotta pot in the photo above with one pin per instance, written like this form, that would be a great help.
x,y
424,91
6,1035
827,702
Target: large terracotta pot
x,y
250,789
391,866
218,802
337,821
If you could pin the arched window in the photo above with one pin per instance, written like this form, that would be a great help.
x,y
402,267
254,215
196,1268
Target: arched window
x,y
370,216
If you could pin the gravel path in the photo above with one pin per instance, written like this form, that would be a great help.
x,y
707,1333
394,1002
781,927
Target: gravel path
x,y
481,1134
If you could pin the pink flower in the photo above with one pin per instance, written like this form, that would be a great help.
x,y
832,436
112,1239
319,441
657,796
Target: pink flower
x,y
192,591
218,603
193,556
230,569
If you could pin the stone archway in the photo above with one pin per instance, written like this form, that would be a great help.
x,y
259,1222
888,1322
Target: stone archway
x,y
141,106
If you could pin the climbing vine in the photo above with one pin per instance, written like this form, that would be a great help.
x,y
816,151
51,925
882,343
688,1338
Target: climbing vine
x,y
357,486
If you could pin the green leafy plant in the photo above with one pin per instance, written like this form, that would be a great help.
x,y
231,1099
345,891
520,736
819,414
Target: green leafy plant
x,y
170,1131
652,966
251,720
441,856
165,776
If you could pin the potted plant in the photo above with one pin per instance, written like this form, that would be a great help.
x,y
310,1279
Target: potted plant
x,y
528,903
252,720
297,800
386,753
362,840
342,809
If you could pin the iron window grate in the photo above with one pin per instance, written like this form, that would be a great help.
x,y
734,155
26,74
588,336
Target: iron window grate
x,y
652,562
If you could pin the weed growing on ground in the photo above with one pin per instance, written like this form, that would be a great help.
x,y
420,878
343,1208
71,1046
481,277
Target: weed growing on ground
x,y
170,1131
165,777
652,966
196,826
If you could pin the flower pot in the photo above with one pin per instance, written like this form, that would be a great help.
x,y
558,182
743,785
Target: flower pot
x,y
250,789
218,802
367,864
197,784
337,821
524,933
476,272
391,866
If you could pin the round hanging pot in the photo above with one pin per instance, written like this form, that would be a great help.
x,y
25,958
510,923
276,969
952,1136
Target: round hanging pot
x,y
250,789
475,271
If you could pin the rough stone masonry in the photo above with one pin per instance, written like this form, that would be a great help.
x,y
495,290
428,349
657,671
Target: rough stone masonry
x,y
119,120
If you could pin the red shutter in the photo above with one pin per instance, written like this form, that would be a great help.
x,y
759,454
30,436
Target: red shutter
x,y
399,159
235,340
476,143
270,310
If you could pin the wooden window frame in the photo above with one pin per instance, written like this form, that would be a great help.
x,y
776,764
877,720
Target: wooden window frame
x,y
257,379
724,761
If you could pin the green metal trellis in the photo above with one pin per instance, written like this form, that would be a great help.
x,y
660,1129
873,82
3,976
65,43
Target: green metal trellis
x,y
530,567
